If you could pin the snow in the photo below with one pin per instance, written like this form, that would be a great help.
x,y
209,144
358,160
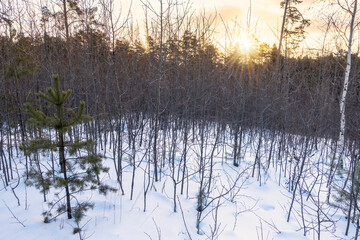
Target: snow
x,y
252,210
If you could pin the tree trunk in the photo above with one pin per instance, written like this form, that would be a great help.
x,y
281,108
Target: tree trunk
x,y
63,169
283,27
341,138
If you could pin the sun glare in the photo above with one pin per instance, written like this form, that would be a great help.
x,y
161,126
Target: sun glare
x,y
243,43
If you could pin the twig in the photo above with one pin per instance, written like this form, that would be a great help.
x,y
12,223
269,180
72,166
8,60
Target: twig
x,y
272,224
182,214
148,235
157,229
18,221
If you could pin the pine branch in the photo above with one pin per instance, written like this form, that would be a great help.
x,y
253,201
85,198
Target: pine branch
x,y
47,98
35,145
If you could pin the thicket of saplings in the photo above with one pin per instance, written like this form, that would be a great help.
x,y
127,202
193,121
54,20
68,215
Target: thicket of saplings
x,y
162,96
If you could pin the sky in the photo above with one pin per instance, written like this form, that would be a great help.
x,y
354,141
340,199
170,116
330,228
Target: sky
x,y
265,21
264,25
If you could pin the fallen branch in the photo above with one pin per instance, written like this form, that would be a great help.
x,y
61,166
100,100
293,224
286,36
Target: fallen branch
x,y
18,221
272,224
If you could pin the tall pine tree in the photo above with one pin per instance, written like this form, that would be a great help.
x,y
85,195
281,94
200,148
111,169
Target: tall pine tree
x,y
79,167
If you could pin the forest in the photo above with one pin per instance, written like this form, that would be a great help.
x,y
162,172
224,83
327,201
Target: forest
x,y
93,101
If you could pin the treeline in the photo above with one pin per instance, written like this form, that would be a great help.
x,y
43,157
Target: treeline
x,y
298,95
177,70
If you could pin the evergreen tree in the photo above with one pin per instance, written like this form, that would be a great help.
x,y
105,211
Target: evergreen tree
x,y
347,197
79,167
294,26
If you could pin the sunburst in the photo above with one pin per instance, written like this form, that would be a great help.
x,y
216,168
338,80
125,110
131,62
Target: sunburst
x,y
243,43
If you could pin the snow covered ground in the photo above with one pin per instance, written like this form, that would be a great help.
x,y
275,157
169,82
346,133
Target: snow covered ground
x,y
240,206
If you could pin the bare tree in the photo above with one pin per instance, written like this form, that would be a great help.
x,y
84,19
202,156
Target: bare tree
x,y
341,138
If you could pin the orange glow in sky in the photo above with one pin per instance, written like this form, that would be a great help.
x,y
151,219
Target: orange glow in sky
x,y
260,18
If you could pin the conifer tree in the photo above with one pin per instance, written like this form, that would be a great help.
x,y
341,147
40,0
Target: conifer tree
x,y
347,197
79,167
293,26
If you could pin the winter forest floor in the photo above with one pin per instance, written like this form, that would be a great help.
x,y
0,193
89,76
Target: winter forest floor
x,y
251,201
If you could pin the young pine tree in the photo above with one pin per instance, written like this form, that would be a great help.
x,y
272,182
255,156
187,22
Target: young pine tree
x,y
347,197
79,167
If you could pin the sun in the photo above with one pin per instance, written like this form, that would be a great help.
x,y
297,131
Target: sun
x,y
243,43
239,42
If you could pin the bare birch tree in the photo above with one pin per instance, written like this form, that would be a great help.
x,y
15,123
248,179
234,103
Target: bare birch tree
x,y
341,138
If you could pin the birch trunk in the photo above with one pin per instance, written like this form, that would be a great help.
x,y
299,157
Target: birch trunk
x,y
341,138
